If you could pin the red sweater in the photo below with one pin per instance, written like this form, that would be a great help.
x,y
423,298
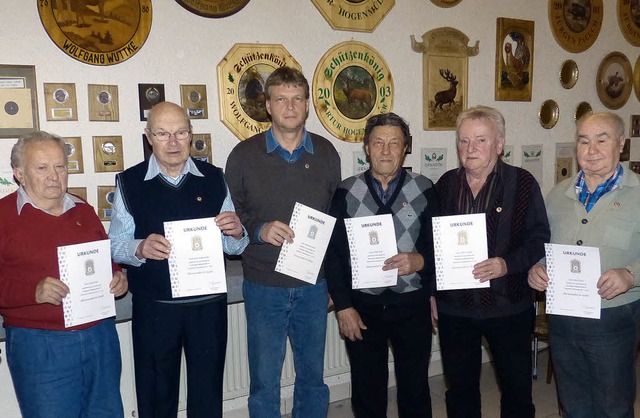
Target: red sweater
x,y
28,254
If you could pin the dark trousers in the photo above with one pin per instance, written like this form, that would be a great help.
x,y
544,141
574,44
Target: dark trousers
x,y
160,332
408,329
509,339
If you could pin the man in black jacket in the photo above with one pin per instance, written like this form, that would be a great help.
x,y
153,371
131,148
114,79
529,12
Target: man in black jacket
x,y
517,229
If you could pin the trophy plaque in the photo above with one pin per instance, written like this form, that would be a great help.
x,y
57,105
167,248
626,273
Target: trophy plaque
x,y
194,100
575,26
105,202
73,149
201,148
103,103
347,91
107,153
445,62
97,32
60,101
241,77
149,95
78,191
355,15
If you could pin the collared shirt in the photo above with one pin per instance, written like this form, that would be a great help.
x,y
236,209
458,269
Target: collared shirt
x,y
391,187
68,201
291,157
122,228
589,199
466,203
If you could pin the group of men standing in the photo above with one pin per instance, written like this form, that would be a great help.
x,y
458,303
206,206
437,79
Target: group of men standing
x,y
252,203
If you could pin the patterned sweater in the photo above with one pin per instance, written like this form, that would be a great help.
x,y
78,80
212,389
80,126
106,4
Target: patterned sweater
x,y
412,206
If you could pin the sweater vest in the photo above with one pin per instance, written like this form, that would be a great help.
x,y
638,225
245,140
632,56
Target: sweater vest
x,y
155,201
407,206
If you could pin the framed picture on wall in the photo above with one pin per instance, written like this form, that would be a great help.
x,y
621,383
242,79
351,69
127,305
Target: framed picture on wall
x,y
514,59
445,63
18,100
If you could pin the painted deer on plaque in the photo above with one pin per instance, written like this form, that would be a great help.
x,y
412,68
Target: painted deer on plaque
x,y
446,96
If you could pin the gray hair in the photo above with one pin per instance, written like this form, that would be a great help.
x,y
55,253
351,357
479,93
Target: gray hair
x,y
386,119
613,118
482,112
17,152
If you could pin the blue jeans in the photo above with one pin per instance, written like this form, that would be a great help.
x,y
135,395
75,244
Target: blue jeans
x,y
73,374
273,313
594,362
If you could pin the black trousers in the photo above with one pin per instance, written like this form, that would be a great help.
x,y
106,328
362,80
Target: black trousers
x,y
509,339
160,332
407,327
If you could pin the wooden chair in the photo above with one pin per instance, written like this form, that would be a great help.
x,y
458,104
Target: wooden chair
x,y
541,334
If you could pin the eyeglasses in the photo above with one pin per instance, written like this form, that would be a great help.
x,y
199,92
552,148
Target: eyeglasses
x,y
163,136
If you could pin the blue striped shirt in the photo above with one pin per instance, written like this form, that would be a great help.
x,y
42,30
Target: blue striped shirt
x,y
588,199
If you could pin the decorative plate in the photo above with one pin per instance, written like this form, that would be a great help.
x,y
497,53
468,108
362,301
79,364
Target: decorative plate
x,y
614,80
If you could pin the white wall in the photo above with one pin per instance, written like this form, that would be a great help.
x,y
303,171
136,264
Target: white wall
x,y
184,48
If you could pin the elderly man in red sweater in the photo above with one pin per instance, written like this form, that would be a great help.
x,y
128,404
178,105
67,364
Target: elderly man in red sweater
x,y
56,371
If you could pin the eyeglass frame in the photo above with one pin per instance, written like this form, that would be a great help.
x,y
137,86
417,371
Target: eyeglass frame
x,y
171,134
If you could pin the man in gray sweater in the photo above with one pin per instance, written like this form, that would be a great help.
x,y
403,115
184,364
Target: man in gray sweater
x,y
267,174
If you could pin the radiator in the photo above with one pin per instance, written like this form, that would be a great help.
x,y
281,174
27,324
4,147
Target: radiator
x,y
236,369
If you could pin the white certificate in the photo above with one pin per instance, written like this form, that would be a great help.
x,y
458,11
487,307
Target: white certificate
x,y
302,259
196,261
372,240
86,270
459,242
574,271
